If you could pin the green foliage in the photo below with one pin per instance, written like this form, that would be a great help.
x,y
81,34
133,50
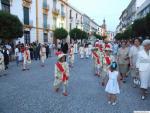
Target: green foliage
x,y
60,33
139,27
148,24
84,35
10,26
98,36
75,34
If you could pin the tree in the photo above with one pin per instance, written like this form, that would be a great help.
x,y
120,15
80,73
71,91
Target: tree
x,y
75,34
60,33
128,33
139,27
84,35
119,36
148,24
98,36
10,26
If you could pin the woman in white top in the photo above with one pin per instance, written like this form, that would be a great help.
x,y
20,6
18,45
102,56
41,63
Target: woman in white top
x,y
133,58
143,66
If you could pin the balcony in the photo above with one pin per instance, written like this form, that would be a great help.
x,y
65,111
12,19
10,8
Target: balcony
x,y
63,14
55,11
46,26
45,6
28,25
27,3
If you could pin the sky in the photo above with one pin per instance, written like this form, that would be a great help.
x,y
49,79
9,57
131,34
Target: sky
x,y
100,9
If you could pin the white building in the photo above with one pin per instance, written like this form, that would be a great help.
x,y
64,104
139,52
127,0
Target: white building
x,y
144,9
129,15
41,17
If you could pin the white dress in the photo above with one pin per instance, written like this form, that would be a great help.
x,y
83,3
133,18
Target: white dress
x,y
112,86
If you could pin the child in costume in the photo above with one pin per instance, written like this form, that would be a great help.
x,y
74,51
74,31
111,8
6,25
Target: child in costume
x,y
106,62
96,60
71,56
81,51
26,58
61,74
112,86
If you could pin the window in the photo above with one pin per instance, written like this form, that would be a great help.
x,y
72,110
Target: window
x,y
45,37
27,37
5,5
54,22
44,20
76,15
70,14
54,4
44,3
70,26
26,15
62,8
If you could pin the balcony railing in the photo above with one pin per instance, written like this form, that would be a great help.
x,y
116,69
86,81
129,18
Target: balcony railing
x,y
46,26
55,11
29,1
45,6
28,24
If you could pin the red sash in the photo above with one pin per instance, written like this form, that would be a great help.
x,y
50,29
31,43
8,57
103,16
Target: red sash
x,y
108,61
27,55
58,53
97,57
61,69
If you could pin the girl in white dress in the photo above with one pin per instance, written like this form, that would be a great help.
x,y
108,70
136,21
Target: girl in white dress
x,y
112,86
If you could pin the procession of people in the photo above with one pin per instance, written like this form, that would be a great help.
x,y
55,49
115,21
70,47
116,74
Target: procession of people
x,y
112,62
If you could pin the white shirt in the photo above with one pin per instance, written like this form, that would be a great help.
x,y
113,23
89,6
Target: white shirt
x,y
133,53
16,51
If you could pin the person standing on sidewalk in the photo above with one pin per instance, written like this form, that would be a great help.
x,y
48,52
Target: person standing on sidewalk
x,y
6,57
16,55
43,55
2,66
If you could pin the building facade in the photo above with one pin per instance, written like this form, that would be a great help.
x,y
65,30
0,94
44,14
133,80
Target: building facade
x,y
129,15
143,10
41,17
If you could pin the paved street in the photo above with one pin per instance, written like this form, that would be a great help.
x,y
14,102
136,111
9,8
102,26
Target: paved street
x,y
32,92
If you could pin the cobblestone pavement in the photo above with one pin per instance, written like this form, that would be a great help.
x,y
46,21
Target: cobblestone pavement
x,y
32,92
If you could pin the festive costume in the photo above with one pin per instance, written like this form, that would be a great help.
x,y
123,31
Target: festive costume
x,y
71,56
81,52
96,60
106,62
43,54
61,75
26,58
86,49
